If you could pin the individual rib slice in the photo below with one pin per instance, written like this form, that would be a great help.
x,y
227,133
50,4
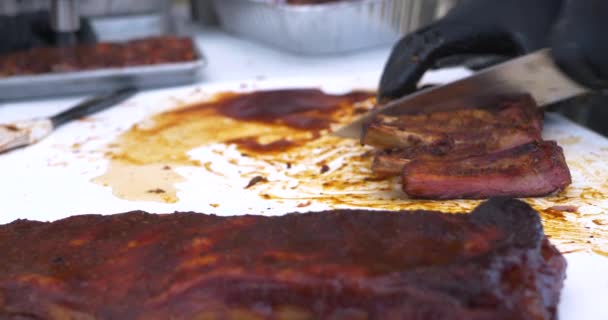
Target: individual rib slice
x,y
530,170
516,121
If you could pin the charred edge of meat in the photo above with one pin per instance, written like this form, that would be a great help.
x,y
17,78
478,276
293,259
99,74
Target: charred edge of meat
x,y
530,170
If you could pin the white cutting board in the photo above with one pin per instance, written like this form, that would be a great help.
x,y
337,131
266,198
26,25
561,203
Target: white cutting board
x,y
51,181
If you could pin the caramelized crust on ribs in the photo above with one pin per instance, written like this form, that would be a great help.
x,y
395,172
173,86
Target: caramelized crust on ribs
x,y
494,263
533,169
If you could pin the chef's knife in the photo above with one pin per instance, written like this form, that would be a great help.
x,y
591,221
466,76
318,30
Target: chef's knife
x,y
535,74
23,133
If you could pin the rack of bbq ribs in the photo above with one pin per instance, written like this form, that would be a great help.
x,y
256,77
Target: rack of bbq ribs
x,y
492,263
147,62
140,52
469,153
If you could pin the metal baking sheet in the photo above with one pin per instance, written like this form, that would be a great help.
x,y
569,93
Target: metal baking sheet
x,y
100,80
327,28
52,180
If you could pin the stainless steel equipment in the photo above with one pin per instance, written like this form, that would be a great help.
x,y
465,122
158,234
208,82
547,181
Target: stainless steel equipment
x,y
111,19
327,28
65,20
65,15
535,74
90,7
118,20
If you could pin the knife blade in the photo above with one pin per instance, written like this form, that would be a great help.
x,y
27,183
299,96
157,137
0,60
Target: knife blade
x,y
535,74
23,133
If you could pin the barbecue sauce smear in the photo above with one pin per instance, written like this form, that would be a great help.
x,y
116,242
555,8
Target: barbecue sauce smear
x,y
287,155
264,123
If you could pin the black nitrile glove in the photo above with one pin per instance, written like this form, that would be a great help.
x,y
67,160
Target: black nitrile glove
x,y
576,29
580,42
33,29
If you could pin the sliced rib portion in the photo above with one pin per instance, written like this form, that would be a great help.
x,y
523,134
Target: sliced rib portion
x,y
510,124
469,153
530,170
494,263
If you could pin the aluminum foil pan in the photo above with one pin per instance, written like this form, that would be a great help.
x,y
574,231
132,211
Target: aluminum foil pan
x,y
327,28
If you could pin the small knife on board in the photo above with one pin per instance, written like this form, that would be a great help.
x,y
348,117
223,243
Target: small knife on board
x,y
24,133
535,74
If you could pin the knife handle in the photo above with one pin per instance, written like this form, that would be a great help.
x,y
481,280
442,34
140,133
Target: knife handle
x,y
93,105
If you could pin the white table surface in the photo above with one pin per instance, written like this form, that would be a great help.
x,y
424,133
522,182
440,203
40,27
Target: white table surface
x,y
232,60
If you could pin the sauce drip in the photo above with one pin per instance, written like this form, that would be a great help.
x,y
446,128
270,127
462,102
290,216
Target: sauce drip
x,y
262,122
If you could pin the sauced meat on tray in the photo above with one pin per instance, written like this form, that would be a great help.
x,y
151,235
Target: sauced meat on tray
x,y
494,263
470,153
148,51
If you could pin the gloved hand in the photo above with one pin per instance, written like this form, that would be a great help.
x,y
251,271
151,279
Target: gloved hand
x,y
33,29
577,30
580,42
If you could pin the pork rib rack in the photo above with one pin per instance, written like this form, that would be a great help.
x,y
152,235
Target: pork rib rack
x,y
494,263
469,153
